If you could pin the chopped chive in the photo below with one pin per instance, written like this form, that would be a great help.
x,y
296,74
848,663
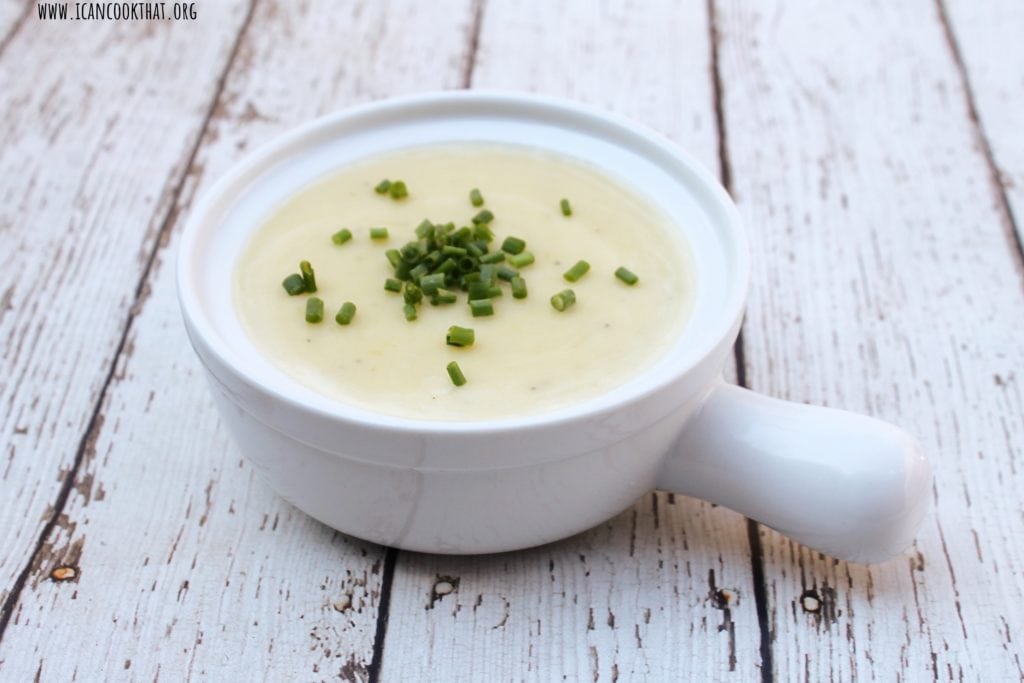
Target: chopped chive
x,y
522,259
563,299
488,272
480,307
378,233
475,198
410,312
513,245
342,236
483,217
307,276
478,290
411,252
505,273
462,234
419,271
493,257
314,309
394,256
346,313
398,190
443,296
474,250
424,228
446,266
577,271
449,250
393,285
566,208
518,288
431,283
482,234
412,293
627,276
460,336
455,372
383,186
294,284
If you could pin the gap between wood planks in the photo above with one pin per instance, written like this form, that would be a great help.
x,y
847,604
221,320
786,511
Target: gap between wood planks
x,y
96,418
1010,226
753,528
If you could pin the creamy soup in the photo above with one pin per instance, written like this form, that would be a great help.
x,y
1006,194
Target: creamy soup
x,y
527,357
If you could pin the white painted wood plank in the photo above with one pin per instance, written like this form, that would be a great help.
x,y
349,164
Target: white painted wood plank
x,y
663,591
186,564
10,12
989,38
86,186
883,283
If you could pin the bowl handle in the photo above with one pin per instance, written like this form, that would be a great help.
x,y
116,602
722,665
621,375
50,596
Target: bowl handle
x,y
845,484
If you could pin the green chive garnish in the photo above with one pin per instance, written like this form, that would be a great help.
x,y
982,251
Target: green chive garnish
x,y
513,245
480,307
342,236
577,271
413,294
424,228
443,296
431,283
346,313
563,299
455,372
383,186
294,284
398,189
519,260
378,233
505,273
566,209
493,257
393,285
518,288
410,312
475,198
460,336
307,276
627,276
314,309
483,218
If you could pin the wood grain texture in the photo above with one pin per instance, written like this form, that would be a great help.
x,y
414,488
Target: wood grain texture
x,y
664,590
12,12
987,37
191,566
85,191
883,283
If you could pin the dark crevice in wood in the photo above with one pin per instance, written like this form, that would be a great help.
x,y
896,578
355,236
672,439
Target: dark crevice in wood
x,y
995,177
753,530
474,44
16,26
760,599
386,580
724,169
96,418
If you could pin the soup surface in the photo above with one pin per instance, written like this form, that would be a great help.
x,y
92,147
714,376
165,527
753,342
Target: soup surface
x,y
527,357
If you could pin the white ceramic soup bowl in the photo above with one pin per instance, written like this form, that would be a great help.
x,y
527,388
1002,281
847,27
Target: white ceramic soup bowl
x,y
845,484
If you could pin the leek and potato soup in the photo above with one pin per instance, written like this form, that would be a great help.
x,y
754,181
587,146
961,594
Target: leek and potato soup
x,y
464,282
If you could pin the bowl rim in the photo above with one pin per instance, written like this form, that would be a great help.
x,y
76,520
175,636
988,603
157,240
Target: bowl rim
x,y
726,322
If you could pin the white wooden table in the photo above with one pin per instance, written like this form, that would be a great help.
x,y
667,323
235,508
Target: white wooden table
x,y
876,152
